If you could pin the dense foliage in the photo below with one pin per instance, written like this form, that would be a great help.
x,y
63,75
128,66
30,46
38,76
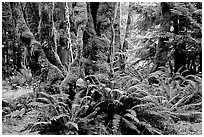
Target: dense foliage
x,y
101,68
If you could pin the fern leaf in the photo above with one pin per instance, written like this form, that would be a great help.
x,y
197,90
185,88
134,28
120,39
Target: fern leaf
x,y
93,79
143,107
132,112
185,71
61,119
195,78
174,99
45,95
116,93
131,82
43,100
179,77
86,99
151,129
192,107
132,89
116,124
72,126
130,125
133,118
40,126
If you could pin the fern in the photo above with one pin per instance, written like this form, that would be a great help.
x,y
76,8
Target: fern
x,y
150,129
190,107
46,96
72,126
130,125
143,107
115,94
116,124
132,118
131,82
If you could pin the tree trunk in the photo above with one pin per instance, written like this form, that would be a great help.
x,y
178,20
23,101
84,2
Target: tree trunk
x,y
39,64
180,53
162,47
124,42
49,35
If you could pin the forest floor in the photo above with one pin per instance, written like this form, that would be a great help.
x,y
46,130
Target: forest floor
x,y
13,127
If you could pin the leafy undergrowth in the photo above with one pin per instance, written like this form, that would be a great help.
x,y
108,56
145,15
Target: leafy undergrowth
x,y
126,105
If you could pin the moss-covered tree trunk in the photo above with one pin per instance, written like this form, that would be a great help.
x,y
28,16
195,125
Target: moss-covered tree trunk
x,y
39,64
48,29
162,47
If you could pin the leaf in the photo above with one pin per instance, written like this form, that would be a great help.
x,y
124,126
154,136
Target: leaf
x,y
151,129
72,125
143,107
116,93
61,119
40,126
135,119
130,125
45,95
131,82
116,124
43,100
132,112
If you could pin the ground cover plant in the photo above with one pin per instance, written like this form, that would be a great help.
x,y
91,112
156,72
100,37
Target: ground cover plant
x,y
102,68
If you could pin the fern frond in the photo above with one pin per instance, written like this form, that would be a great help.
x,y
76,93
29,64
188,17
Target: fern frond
x,y
190,107
66,101
174,99
133,89
143,107
93,79
116,124
45,95
40,126
191,116
86,100
185,71
139,87
187,116
151,130
179,77
132,112
72,126
123,80
195,78
132,118
43,100
187,99
116,93
62,110
138,94
131,82
130,125
61,119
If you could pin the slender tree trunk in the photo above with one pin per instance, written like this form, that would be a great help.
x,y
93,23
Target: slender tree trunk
x,y
113,42
124,42
180,53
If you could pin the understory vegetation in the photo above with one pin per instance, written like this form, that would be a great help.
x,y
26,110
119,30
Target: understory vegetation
x,y
99,68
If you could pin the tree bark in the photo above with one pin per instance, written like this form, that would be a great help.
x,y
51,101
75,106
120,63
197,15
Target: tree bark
x,y
162,47
180,53
49,35
39,64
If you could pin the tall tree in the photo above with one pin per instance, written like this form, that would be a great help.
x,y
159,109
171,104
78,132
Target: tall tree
x,y
163,47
